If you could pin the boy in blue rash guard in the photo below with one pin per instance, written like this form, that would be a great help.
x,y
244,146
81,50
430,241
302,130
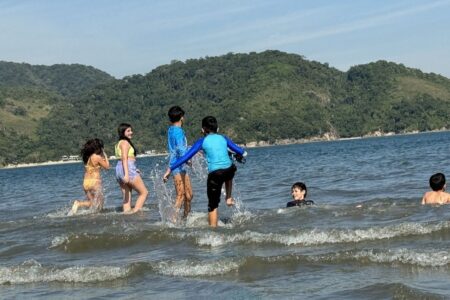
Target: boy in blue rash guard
x,y
177,146
220,167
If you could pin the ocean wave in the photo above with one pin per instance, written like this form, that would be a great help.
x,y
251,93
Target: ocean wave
x,y
319,236
32,271
419,258
81,242
387,291
189,268
428,258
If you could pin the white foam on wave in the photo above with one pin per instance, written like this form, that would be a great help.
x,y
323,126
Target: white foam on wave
x,y
197,219
319,237
186,268
427,258
32,271
59,241
64,212
241,217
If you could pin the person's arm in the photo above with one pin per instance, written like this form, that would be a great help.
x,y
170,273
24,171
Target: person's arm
x,y
423,199
124,147
103,161
233,147
187,156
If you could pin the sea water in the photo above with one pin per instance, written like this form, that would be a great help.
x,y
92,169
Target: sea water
x,y
367,237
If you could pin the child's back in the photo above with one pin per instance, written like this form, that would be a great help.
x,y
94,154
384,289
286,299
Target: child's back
x,y
438,194
433,197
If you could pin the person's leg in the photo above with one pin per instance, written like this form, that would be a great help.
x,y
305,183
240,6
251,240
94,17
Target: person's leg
x,y
228,177
179,189
82,203
126,194
98,199
213,187
228,190
187,195
138,185
212,217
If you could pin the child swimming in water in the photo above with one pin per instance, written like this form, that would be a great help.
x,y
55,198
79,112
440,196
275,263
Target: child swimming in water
x,y
220,167
299,192
94,159
438,194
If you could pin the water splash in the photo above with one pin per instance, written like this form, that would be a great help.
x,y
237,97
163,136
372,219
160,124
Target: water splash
x,y
164,196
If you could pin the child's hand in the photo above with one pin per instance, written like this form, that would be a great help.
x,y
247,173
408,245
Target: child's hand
x,y
239,158
166,175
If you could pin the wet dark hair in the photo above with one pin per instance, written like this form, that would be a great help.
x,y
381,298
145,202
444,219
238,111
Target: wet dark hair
x,y
121,131
92,146
209,124
175,113
437,181
301,186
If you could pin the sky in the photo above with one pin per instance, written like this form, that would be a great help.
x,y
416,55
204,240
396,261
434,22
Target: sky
x,y
130,37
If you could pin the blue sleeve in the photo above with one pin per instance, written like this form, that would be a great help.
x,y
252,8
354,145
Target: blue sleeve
x,y
194,149
233,147
180,143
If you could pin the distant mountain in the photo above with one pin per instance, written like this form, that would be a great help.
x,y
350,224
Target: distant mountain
x,y
266,96
29,93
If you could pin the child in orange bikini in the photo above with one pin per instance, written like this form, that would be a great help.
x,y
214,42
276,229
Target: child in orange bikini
x,y
94,159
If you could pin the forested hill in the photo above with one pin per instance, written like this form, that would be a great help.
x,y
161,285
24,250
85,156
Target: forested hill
x,y
28,94
67,80
258,96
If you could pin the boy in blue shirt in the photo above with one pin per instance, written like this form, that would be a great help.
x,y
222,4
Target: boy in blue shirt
x,y
177,146
220,167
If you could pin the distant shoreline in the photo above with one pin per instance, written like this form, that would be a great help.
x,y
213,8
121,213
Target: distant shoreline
x,y
255,144
63,162
327,137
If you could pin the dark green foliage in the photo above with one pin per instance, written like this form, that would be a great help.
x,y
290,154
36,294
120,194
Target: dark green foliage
x,y
67,80
257,96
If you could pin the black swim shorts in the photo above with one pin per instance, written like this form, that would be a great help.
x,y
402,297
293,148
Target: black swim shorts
x,y
214,185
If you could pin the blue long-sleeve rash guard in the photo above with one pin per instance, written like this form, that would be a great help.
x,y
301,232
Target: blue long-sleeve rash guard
x,y
177,146
215,146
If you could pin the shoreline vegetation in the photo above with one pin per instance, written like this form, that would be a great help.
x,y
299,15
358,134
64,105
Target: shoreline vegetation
x,y
262,99
326,137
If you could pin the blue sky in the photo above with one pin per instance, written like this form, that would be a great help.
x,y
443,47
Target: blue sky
x,y
135,36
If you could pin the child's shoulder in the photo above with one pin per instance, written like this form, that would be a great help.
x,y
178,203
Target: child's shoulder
x,y
175,129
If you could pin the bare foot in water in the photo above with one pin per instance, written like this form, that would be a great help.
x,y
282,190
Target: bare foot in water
x,y
128,212
230,202
74,208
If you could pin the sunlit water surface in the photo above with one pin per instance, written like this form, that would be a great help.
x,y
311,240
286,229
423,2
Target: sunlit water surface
x,y
367,237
